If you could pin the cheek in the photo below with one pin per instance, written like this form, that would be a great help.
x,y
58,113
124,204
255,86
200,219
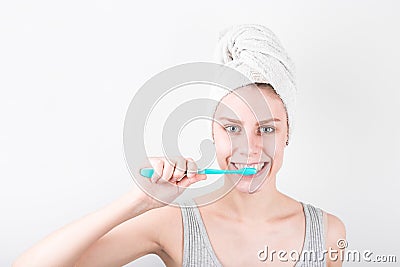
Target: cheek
x,y
277,156
221,137
223,145
274,145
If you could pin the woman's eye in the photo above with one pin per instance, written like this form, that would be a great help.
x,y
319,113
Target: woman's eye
x,y
267,129
232,128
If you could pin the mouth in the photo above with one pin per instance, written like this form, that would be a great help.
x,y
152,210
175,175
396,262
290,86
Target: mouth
x,y
259,166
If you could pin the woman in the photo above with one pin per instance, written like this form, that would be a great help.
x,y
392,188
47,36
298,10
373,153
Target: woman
x,y
243,227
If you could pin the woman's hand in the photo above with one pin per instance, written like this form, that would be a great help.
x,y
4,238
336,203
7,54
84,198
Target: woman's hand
x,y
170,179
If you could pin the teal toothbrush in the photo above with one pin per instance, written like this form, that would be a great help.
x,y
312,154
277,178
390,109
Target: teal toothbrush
x,y
148,172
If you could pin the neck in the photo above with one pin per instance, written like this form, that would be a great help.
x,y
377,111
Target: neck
x,y
262,205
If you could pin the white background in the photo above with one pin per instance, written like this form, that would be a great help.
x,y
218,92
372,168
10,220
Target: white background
x,y
68,71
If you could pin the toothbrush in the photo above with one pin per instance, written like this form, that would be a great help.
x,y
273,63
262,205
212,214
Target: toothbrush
x,y
148,172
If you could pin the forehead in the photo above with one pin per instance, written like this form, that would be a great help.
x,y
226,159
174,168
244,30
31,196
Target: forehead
x,y
251,101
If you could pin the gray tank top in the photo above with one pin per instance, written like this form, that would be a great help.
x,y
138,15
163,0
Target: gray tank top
x,y
198,252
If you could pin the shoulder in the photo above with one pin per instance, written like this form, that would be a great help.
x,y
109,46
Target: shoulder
x,y
335,236
168,220
335,229
170,233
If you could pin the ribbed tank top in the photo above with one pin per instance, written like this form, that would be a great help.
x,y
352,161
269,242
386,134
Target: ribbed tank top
x,y
198,251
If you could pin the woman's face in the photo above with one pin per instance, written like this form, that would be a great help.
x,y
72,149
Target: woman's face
x,y
250,129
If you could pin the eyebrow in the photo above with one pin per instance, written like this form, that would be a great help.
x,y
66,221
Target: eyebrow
x,y
260,122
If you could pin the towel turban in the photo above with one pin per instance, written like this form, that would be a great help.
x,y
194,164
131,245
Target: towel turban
x,y
255,51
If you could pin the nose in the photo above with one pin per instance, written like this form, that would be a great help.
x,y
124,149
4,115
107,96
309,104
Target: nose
x,y
253,145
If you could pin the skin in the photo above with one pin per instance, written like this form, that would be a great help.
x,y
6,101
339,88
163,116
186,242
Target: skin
x,y
253,214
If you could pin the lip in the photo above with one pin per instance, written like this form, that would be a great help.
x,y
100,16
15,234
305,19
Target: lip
x,y
260,172
249,163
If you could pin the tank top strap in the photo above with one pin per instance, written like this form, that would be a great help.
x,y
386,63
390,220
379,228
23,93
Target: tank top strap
x,y
197,249
314,242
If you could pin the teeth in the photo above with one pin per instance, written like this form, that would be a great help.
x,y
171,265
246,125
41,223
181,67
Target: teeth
x,y
257,166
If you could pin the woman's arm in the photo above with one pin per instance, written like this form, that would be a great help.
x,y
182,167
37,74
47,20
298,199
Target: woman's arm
x,y
116,235
67,245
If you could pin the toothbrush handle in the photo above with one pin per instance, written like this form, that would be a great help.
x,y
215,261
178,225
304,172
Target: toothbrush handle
x,y
211,171
148,172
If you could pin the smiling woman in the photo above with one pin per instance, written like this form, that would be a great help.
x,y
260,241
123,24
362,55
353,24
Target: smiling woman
x,y
251,127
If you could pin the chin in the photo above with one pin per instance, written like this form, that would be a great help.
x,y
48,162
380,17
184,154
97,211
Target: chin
x,y
247,186
246,189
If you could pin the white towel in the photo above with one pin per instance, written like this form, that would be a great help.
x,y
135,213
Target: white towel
x,y
256,52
